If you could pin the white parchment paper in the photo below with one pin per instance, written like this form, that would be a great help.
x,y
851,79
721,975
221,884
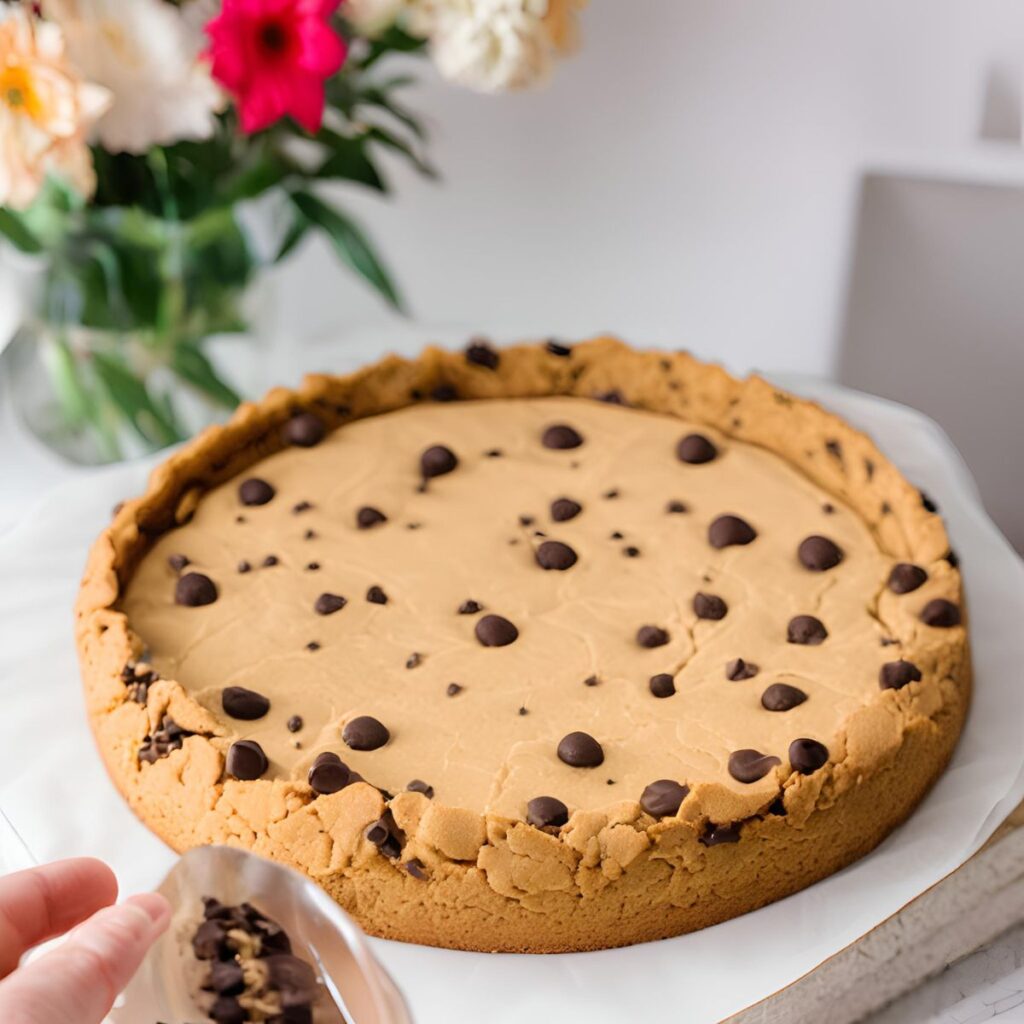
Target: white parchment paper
x,y
56,793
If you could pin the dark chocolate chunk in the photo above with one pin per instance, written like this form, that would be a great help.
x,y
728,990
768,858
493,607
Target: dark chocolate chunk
x,y
726,531
556,348
470,607
177,562
453,689
301,506
631,551
481,353
807,756
676,507
313,645
270,561
415,868
194,589
248,705
328,773
782,697
695,449
616,535
226,976
709,606
818,553
210,939
444,393
806,629
613,397
546,812
295,723
591,681
419,786
369,516
303,430
662,798
244,566
580,750
414,660
294,980
564,509
312,566
652,636
716,835
561,436
168,736
227,1010
386,836
246,760
894,675
328,604
929,505
375,595
255,491
365,733
750,765
495,631
940,613
906,577
662,685
437,460
738,669
553,554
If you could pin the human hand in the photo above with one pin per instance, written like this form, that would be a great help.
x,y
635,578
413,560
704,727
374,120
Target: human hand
x,y
77,982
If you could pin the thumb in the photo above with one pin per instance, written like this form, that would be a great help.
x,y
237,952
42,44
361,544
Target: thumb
x,y
77,982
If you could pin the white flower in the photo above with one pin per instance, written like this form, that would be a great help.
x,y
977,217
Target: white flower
x,y
370,17
146,52
490,45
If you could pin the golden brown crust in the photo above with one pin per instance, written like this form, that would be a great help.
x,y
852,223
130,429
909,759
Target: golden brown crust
x,y
609,877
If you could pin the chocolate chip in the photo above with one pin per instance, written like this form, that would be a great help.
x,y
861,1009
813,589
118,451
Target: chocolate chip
x,y
480,353
819,553
312,566
437,460
612,397
470,607
328,774
495,631
894,675
580,750
303,430
952,558
177,562
246,760
695,449
906,577
270,561
194,589
255,491
738,669
806,629
652,636
295,723
807,756
414,660
386,836
523,711
444,393
526,520
782,697
611,495
244,566
556,348
226,977
494,453
227,1010
415,868
564,509
369,516
828,508
561,436
927,502
676,507
750,765
726,531
616,535
169,736
709,606
631,552
454,689
247,705
309,535
663,798
328,604
662,685
419,786
375,595
546,812
313,646
716,835
591,681
365,733
940,613
553,554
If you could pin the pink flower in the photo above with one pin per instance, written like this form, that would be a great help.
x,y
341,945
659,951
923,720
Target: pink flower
x,y
273,56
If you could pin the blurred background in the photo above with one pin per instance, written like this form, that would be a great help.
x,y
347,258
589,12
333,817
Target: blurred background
x,y
825,188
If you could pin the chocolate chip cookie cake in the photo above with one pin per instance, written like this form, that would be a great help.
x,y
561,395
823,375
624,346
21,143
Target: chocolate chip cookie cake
x,y
546,648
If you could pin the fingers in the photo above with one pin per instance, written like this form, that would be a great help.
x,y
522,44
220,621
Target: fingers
x,y
42,902
78,981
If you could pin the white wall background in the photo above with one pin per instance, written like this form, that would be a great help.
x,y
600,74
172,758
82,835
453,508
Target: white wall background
x,y
689,178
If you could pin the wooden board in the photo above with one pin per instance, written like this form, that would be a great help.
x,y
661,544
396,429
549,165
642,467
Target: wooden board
x,y
953,918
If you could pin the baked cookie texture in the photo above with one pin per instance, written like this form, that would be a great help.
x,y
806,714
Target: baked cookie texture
x,y
740,756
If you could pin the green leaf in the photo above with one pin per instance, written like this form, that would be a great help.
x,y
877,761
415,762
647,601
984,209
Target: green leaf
x,y
377,96
296,233
347,159
189,363
129,394
349,242
392,141
266,173
392,40
17,233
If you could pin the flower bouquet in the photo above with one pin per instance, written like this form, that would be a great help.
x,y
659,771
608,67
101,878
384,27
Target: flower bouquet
x,y
135,133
